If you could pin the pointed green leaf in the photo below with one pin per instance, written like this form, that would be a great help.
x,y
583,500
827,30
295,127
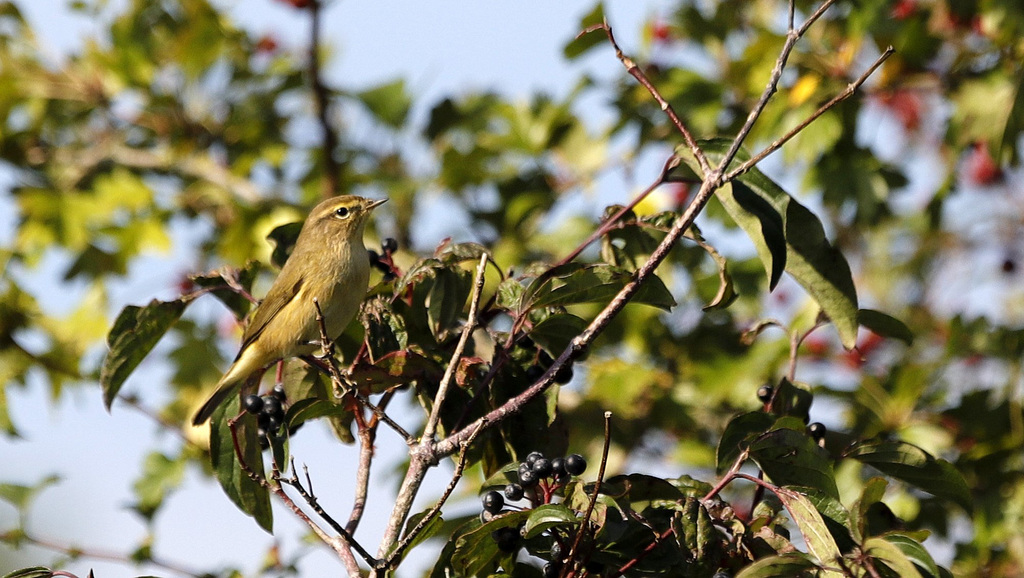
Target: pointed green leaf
x,y
915,466
389,102
763,224
738,434
579,46
20,496
915,552
885,325
33,572
787,236
246,493
791,458
792,565
820,543
134,334
576,283
547,516
890,555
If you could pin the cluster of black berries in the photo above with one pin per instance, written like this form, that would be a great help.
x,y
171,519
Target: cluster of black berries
x,y
269,412
382,261
539,477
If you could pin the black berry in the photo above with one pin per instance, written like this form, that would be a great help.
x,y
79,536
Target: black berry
x,y
373,256
493,502
272,406
253,404
558,467
278,392
390,245
575,464
507,539
514,492
817,430
528,479
533,373
261,434
564,374
532,457
552,570
542,468
764,393
273,423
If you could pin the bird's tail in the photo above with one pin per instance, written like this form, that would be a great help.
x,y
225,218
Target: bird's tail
x,y
223,392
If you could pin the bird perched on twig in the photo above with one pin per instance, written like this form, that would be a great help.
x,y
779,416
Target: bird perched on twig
x,y
329,264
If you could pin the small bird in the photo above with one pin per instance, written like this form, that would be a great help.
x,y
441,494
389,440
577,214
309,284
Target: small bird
x,y
329,263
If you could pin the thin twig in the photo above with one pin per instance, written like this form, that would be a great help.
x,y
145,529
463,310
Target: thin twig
x,y
777,143
338,379
460,467
423,456
585,522
340,547
367,436
80,552
635,72
442,389
729,476
310,498
773,82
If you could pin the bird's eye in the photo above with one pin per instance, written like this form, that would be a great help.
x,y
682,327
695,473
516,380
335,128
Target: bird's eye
x,y
342,212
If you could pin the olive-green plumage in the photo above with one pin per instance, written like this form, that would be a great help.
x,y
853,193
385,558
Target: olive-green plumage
x,y
328,263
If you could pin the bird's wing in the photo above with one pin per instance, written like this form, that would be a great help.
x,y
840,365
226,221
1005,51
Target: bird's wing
x,y
276,300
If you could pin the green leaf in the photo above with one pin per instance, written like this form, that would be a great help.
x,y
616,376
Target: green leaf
x,y
763,224
477,551
510,294
385,330
556,331
221,280
726,293
580,45
250,497
915,466
820,543
547,516
134,334
792,565
160,475
788,236
791,458
283,237
446,297
885,325
429,531
576,283
21,496
915,552
389,102
34,572
738,434
892,556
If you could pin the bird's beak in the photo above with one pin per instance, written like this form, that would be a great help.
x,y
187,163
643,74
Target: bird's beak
x,y
375,204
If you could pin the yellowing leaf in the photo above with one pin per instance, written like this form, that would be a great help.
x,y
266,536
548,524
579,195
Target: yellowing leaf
x,y
803,89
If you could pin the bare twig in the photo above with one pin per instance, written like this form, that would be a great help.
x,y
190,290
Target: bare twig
x,y
340,546
367,436
773,82
423,456
338,378
460,467
635,72
442,389
107,555
597,487
777,143
310,498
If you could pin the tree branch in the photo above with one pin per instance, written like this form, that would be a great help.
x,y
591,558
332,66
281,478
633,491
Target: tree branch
x,y
321,102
